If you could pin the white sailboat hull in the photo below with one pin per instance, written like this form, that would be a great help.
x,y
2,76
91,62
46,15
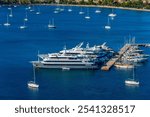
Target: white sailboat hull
x,y
22,27
37,13
32,84
56,11
81,12
87,17
107,27
51,26
69,10
112,15
97,11
10,15
25,19
6,24
131,82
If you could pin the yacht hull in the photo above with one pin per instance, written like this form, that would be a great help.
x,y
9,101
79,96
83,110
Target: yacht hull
x,y
61,66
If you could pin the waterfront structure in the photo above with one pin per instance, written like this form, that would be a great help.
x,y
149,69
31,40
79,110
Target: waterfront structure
x,y
123,56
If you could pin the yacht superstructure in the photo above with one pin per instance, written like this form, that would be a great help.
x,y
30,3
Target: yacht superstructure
x,y
75,58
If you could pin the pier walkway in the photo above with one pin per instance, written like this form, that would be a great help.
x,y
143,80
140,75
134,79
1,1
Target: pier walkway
x,y
114,59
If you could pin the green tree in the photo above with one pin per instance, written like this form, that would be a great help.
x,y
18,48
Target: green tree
x,y
90,2
107,2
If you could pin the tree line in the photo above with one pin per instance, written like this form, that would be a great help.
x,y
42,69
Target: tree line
x,y
26,1
128,3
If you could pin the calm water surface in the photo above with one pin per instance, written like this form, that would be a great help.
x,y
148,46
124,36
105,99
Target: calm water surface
x,y
19,47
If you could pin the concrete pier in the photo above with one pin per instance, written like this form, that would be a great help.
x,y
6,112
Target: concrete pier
x,y
114,59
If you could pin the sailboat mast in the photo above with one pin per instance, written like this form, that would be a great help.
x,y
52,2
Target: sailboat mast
x,y
38,9
34,74
53,21
133,72
7,19
24,23
49,22
11,11
108,22
87,11
26,15
81,9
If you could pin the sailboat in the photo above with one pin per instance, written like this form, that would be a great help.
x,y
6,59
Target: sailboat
x,y
70,9
7,23
108,25
87,16
97,10
9,8
38,12
112,14
32,9
57,7
23,26
33,84
26,17
10,15
28,8
51,24
81,11
56,11
132,81
62,8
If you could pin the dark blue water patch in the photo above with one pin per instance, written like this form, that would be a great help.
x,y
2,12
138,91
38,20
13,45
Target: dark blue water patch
x,y
19,47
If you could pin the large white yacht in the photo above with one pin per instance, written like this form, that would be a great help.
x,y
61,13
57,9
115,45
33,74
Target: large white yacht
x,y
57,60
75,58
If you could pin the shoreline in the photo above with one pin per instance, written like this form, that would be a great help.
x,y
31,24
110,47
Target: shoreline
x,y
100,6
105,6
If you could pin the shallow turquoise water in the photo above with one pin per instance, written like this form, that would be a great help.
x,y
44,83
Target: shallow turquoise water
x,y
18,47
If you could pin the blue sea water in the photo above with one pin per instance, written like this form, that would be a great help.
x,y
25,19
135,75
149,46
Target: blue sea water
x,y
19,47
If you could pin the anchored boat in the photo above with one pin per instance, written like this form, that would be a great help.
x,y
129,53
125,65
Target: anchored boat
x,y
33,83
132,81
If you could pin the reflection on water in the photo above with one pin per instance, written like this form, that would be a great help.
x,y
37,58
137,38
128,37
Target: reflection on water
x,y
33,92
132,88
33,89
